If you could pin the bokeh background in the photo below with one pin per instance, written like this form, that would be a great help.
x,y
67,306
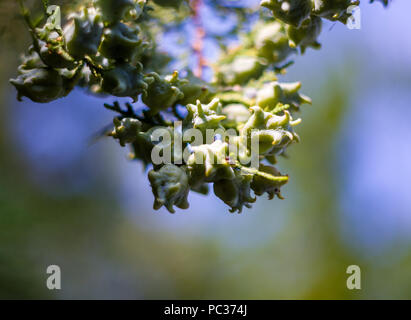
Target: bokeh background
x,y
86,208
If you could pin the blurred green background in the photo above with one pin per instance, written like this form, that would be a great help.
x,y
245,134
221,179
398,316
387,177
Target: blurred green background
x,y
88,209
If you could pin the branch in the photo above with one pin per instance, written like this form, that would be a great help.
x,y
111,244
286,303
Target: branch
x,y
198,44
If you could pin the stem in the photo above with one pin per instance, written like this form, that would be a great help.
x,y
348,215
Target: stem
x,y
26,15
96,69
198,44
177,114
260,173
46,5
128,113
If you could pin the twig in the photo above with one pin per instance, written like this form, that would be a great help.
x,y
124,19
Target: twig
x,y
262,174
128,113
45,4
198,44
95,69
176,113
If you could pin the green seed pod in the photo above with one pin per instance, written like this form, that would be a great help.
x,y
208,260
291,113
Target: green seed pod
x,y
239,150
125,80
170,187
115,10
49,42
271,158
40,85
204,116
83,34
161,94
30,61
272,131
292,12
171,145
271,42
53,54
208,163
240,71
121,42
169,3
51,50
141,148
266,184
193,89
257,121
193,92
71,78
157,145
280,148
126,130
53,22
286,93
201,188
306,35
268,139
261,120
332,9
235,192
